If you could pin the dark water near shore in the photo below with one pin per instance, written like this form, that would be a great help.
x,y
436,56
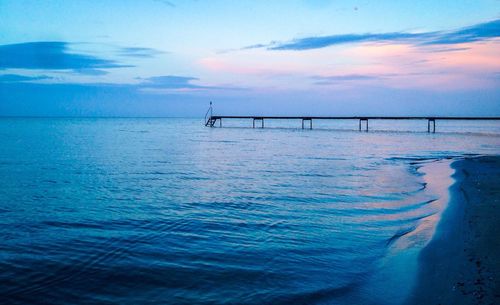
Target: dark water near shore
x,y
159,211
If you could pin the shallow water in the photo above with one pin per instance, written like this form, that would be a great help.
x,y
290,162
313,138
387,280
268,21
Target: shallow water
x,y
158,211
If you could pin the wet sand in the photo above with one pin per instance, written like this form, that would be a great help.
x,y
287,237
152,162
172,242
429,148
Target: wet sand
x,y
461,264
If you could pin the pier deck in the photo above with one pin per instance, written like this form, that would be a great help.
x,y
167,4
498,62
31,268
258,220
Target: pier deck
x,y
212,119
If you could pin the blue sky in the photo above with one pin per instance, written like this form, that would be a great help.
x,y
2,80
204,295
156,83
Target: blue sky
x,y
169,58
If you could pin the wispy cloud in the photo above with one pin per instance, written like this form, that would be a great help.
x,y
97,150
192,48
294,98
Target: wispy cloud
x,y
170,82
175,83
259,45
478,32
333,79
139,52
155,84
12,78
92,72
309,43
345,77
446,49
50,55
166,2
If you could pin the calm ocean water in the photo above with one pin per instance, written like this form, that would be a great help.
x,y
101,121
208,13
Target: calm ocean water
x,y
160,211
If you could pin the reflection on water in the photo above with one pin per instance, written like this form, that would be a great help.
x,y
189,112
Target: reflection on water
x,y
130,211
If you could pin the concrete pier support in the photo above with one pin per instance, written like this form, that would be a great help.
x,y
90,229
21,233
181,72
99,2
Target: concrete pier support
x,y
366,120
310,123
433,125
258,119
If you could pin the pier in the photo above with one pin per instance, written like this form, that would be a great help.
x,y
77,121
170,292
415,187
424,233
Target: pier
x,y
307,121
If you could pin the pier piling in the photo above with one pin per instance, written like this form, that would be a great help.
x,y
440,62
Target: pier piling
x,y
433,125
310,122
258,119
363,119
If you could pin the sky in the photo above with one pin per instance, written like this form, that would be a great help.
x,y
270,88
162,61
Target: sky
x,y
158,58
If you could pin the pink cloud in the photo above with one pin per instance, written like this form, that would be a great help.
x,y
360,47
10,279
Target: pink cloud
x,y
433,67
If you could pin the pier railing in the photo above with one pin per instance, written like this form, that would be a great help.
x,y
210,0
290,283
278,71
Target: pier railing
x,y
363,120
208,117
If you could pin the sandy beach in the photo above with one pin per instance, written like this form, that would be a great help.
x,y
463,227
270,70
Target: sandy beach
x,y
461,263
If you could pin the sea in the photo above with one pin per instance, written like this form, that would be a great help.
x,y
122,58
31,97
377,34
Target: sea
x,y
168,211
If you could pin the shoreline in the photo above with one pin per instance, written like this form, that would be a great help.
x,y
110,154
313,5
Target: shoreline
x,y
401,263
460,264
